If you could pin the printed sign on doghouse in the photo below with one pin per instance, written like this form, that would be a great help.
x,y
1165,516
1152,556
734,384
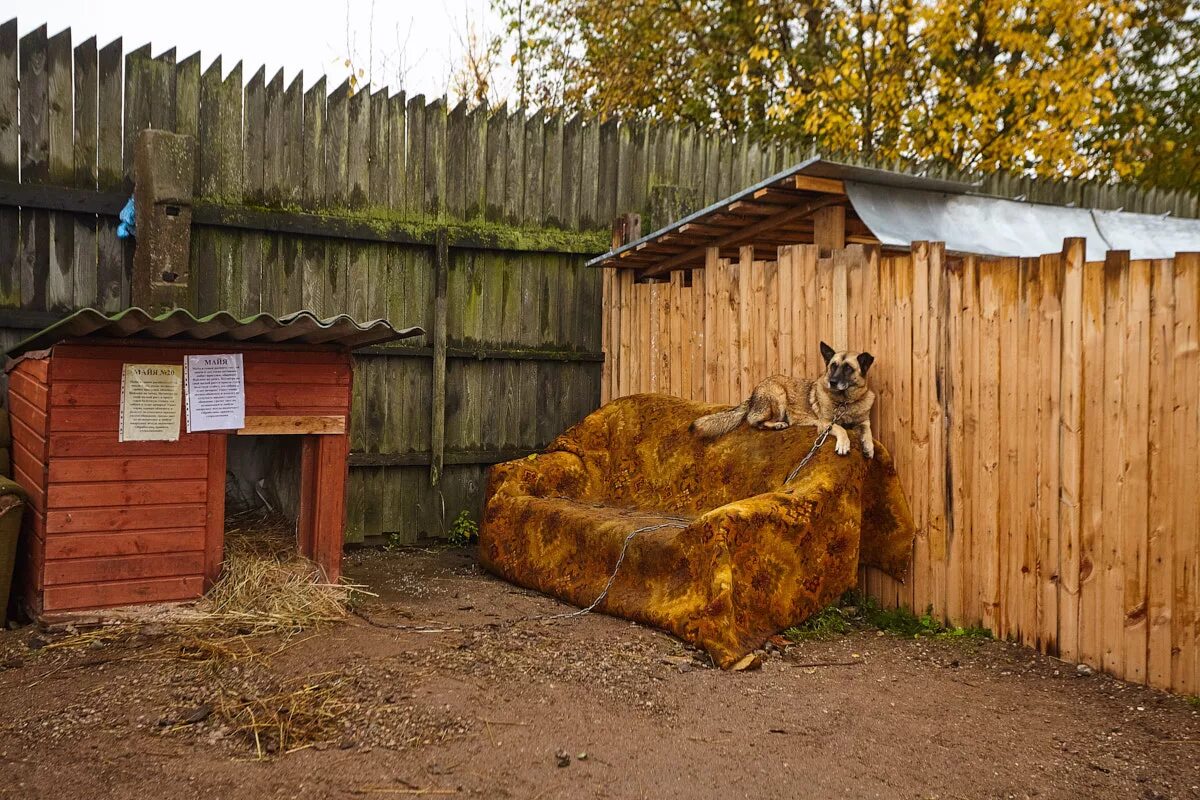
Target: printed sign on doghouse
x,y
150,402
216,393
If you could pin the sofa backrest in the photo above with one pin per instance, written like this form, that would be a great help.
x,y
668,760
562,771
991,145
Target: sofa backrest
x,y
639,453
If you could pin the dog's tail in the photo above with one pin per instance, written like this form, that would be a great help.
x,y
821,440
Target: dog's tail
x,y
713,425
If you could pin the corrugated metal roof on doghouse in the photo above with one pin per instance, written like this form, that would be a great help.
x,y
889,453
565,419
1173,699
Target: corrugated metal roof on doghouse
x,y
300,327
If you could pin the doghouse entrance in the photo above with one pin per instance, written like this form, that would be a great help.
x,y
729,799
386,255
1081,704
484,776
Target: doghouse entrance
x,y
262,495
262,476
289,485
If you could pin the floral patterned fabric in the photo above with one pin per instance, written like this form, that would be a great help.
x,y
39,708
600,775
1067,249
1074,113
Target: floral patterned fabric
x,y
744,553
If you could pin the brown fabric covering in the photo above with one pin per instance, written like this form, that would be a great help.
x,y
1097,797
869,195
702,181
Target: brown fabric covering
x,y
757,555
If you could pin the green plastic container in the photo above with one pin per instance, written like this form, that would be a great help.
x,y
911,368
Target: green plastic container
x,y
12,507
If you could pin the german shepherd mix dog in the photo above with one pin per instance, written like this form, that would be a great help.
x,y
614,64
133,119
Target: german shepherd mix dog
x,y
839,399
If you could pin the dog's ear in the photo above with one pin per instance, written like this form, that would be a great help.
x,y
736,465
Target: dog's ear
x,y
865,360
826,352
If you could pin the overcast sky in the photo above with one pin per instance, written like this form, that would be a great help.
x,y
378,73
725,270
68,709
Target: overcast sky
x,y
414,42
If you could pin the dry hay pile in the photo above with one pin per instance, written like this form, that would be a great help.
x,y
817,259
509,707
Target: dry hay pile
x,y
266,586
266,591
281,718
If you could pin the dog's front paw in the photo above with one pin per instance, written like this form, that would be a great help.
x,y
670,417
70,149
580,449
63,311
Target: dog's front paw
x,y
843,445
869,447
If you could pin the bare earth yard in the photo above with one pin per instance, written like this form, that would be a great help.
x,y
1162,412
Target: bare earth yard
x,y
446,685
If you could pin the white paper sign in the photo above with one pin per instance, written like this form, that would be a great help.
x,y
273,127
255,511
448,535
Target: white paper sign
x,y
149,403
216,393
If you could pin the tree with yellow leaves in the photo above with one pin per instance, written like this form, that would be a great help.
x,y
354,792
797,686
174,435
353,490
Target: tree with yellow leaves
x,y
1028,86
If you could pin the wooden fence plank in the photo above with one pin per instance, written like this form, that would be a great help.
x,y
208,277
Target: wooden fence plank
x,y
35,166
1070,447
60,280
1114,492
435,158
987,485
1185,606
1162,493
83,258
1092,463
1134,501
315,170
10,159
358,136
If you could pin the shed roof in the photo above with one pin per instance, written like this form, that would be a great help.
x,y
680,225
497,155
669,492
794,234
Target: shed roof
x,y
894,210
300,327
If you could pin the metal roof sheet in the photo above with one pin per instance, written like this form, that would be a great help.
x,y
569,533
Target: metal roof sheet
x,y
815,167
300,327
900,209
999,227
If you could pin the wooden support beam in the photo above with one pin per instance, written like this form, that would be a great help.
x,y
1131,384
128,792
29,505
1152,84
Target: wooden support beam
x,y
437,434
742,235
809,183
829,231
280,424
754,208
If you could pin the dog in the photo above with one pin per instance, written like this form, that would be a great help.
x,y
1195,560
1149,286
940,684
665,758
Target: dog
x,y
838,399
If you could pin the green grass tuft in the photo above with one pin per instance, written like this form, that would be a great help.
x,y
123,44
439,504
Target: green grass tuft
x,y
855,610
1193,701
827,624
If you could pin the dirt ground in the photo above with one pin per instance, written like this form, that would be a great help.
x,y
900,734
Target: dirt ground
x,y
449,687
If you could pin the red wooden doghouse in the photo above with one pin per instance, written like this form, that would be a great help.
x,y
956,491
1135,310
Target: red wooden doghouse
x,y
115,523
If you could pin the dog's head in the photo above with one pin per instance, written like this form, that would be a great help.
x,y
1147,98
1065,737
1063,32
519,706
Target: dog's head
x,y
845,371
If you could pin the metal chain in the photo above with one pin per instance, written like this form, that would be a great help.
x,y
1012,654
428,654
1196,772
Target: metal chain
x,y
821,437
612,578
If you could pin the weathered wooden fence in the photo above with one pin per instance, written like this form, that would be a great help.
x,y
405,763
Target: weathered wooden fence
x,y
1044,415
336,201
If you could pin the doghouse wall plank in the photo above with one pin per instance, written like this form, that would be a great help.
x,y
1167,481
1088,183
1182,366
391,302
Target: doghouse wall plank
x,y
28,395
1041,413
131,522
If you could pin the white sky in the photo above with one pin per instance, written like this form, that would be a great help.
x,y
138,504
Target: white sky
x,y
410,44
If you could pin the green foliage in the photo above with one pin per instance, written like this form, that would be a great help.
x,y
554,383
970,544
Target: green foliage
x,y
463,530
903,622
393,540
1193,701
827,624
856,611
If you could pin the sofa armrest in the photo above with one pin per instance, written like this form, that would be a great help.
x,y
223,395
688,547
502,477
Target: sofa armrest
x,y
786,555
550,474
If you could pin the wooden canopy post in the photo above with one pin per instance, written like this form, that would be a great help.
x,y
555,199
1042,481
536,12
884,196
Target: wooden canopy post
x,y
829,229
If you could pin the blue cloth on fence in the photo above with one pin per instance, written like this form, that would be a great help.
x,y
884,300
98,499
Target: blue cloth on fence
x,y
128,228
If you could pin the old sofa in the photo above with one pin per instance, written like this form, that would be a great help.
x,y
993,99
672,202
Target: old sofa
x,y
746,554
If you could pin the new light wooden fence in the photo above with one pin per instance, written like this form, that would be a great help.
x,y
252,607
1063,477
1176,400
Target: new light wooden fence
x,y
1044,415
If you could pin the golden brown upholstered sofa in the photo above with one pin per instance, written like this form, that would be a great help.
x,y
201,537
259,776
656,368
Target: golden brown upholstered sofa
x,y
745,554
